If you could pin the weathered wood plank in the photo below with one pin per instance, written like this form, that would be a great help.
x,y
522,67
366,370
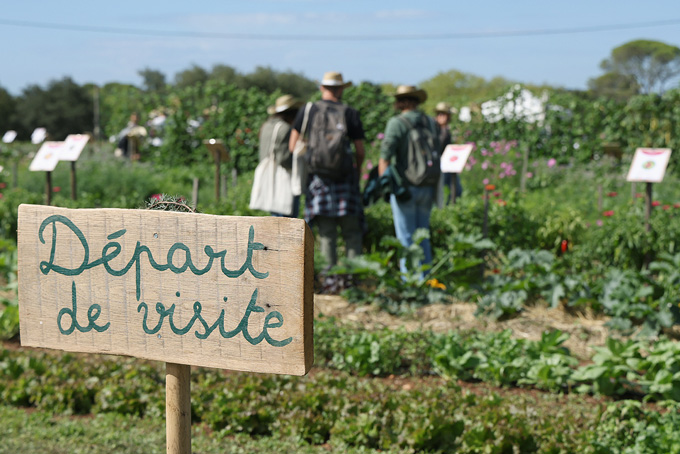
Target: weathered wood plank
x,y
216,291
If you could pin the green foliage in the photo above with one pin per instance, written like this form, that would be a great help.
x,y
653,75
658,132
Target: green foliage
x,y
651,63
62,108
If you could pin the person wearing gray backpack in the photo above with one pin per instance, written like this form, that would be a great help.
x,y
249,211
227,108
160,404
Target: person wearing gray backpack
x,y
411,149
332,196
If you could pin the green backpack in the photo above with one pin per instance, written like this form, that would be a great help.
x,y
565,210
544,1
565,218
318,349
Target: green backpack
x,y
423,159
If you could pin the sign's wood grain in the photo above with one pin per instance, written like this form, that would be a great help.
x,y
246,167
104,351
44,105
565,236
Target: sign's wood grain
x,y
216,291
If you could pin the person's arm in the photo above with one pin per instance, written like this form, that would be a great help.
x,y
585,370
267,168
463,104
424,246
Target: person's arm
x,y
360,153
383,164
294,135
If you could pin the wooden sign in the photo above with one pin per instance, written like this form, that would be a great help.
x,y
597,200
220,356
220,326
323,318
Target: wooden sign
x,y
73,146
649,164
47,157
216,291
217,149
454,158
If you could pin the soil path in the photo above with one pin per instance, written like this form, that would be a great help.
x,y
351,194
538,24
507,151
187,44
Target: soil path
x,y
585,331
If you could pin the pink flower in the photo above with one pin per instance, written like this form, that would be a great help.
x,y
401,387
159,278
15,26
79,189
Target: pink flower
x,y
529,174
156,197
484,152
485,165
485,181
56,189
665,207
599,222
369,164
608,213
381,136
656,203
364,176
501,175
552,162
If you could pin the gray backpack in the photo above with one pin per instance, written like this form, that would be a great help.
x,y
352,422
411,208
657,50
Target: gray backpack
x,y
423,164
328,150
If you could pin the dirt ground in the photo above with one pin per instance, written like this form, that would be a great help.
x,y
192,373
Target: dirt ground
x,y
585,330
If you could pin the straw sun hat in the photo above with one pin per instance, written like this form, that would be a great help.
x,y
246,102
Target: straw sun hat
x,y
444,107
284,103
334,79
409,91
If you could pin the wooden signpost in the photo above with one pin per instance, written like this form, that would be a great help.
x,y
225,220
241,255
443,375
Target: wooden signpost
x,y
188,289
220,154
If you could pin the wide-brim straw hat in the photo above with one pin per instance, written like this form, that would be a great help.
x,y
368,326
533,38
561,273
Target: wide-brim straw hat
x,y
409,91
284,103
334,79
443,107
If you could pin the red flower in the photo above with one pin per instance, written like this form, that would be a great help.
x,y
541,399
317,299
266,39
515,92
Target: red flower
x,y
56,189
656,203
638,195
564,246
676,205
156,196
497,194
608,213
665,207
612,194
3,185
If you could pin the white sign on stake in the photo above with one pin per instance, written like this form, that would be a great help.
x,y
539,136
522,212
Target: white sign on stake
x,y
229,292
47,157
454,158
73,146
38,136
649,164
9,136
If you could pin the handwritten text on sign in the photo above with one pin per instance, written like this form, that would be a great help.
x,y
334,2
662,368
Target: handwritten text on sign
x,y
216,291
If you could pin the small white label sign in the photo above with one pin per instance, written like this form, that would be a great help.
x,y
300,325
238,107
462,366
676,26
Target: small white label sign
x,y
454,158
73,146
47,157
9,136
649,164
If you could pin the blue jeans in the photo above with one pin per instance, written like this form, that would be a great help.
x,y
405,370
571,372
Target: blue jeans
x,y
411,215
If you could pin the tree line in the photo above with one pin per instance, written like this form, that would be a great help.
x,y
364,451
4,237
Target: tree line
x,y
64,107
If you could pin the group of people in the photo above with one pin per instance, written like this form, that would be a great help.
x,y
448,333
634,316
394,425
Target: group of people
x,y
330,129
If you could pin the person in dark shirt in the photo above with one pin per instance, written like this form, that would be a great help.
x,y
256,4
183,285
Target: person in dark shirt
x,y
331,202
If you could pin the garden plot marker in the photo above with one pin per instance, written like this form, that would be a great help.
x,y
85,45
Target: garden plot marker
x,y
188,289
220,153
46,160
649,165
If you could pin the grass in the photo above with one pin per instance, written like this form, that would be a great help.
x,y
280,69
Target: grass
x,y
38,432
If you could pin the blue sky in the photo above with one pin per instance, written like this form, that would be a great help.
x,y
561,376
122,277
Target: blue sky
x,y
34,51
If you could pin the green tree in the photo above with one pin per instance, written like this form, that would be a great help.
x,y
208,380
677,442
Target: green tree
x,y
7,111
614,85
651,63
152,79
226,74
191,77
62,108
459,88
